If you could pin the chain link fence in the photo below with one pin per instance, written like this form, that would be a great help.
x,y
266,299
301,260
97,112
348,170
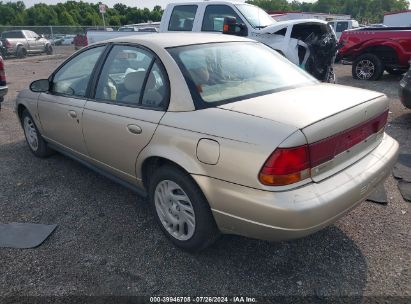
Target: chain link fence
x,y
60,36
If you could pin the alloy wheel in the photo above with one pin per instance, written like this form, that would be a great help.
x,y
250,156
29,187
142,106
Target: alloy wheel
x,y
365,69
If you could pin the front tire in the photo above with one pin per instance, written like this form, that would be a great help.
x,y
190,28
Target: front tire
x,y
367,67
181,210
38,146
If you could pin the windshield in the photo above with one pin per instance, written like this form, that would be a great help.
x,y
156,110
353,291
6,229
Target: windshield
x,y
220,73
255,15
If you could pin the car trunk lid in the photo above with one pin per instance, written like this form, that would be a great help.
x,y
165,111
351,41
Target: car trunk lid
x,y
349,120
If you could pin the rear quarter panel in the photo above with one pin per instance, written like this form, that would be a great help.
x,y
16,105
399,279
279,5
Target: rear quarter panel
x,y
245,143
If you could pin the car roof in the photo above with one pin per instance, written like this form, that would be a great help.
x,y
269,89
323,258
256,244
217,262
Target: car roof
x,y
166,40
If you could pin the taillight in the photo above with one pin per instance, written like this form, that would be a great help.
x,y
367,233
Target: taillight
x,y
286,166
290,165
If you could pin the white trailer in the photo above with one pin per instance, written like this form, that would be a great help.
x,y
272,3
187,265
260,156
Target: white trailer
x,y
398,19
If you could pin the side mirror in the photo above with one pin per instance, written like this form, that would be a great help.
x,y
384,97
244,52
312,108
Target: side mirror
x,y
39,86
231,27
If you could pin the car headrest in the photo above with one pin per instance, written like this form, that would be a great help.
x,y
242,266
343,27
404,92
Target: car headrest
x,y
133,82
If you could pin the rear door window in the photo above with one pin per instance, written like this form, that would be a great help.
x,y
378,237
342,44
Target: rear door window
x,y
132,76
182,18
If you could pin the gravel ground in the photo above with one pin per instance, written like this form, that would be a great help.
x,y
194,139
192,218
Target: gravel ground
x,y
107,242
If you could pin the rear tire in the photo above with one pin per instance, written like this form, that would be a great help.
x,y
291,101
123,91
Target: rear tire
x,y
181,210
21,52
37,145
367,67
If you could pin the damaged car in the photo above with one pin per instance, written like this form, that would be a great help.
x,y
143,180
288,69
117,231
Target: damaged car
x,y
309,43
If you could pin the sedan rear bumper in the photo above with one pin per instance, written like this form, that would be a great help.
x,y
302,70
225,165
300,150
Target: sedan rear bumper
x,y
302,211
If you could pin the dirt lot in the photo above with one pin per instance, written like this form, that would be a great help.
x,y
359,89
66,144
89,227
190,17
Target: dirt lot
x,y
107,242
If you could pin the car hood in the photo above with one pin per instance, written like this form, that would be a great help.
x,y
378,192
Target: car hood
x,y
303,106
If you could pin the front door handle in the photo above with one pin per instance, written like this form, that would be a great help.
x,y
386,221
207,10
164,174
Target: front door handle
x,y
73,114
134,129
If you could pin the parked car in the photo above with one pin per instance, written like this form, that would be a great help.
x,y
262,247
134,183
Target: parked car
x,y
57,40
340,26
3,81
20,43
2,49
260,149
405,89
80,41
310,44
373,50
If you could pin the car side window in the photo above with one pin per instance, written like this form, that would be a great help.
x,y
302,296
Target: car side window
x,y
214,17
341,26
73,78
156,89
34,35
182,18
127,73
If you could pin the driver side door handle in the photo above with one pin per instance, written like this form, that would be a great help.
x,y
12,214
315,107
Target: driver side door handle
x,y
72,114
134,129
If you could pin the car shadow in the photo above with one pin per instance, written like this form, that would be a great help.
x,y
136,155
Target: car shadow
x,y
107,242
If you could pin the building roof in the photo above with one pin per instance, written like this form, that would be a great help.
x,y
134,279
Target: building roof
x,y
399,12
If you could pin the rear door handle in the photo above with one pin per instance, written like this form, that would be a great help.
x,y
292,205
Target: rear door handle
x,y
73,114
134,129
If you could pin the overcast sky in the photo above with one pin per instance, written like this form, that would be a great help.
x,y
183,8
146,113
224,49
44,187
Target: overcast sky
x,y
138,3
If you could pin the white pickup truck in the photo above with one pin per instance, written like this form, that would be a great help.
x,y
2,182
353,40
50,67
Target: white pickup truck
x,y
309,43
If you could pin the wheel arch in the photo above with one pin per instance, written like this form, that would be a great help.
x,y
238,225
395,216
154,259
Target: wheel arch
x,y
386,53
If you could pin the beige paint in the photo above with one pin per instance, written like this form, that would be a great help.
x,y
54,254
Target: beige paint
x,y
224,148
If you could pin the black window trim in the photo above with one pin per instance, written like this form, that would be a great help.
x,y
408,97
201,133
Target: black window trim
x,y
87,94
99,68
169,22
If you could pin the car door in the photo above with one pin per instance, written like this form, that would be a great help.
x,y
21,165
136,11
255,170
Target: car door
x,y
130,99
60,110
38,45
31,43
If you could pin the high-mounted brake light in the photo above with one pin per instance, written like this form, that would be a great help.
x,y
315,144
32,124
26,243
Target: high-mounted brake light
x,y
290,165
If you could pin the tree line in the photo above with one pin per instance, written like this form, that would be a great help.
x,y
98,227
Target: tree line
x,y
74,13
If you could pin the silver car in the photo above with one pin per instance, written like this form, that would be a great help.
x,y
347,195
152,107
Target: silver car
x,y
222,134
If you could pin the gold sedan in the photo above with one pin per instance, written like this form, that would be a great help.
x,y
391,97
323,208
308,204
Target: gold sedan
x,y
221,133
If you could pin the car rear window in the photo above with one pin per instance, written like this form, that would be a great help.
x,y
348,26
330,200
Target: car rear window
x,y
219,73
